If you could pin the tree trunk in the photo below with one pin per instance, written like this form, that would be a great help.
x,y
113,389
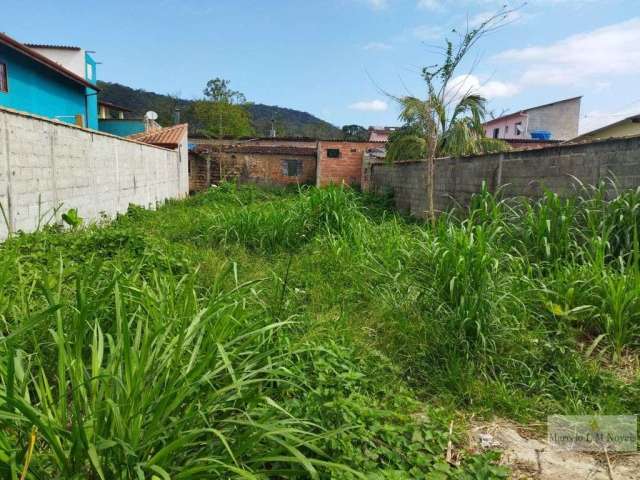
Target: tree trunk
x,y
430,180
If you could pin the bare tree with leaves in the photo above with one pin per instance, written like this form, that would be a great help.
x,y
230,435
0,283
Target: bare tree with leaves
x,y
449,120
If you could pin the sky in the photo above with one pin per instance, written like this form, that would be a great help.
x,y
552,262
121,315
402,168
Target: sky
x,y
344,60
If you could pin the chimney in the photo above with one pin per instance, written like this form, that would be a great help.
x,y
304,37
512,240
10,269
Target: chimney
x,y
176,116
272,132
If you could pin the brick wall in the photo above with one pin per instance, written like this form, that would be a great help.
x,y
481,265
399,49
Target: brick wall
x,y
45,163
518,173
265,169
347,168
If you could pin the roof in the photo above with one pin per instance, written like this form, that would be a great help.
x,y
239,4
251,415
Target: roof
x,y
259,149
57,47
523,112
38,57
632,118
503,117
169,137
113,106
530,140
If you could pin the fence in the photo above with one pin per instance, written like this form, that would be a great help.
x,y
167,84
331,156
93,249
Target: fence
x,y
518,173
45,164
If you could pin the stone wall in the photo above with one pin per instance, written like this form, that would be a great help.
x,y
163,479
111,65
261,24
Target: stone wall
x,y
518,173
45,164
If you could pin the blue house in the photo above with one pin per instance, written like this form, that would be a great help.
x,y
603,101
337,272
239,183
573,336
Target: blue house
x,y
111,119
48,80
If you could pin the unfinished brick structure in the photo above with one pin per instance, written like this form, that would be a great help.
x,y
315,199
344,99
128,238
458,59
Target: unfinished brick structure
x,y
266,165
278,161
341,162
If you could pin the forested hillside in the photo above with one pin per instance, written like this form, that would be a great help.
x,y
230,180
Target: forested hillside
x,y
288,122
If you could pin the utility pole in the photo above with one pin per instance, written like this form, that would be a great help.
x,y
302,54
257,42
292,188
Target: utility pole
x,y
220,143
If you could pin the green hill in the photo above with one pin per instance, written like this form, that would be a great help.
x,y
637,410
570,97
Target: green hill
x,y
288,122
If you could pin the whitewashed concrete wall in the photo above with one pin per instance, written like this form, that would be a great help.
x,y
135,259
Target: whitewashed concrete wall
x,y
45,163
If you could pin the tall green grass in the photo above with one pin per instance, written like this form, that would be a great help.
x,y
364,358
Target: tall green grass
x,y
311,333
185,343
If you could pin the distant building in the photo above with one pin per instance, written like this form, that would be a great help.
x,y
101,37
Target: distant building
x,y
111,119
108,111
51,81
630,126
380,134
552,121
278,161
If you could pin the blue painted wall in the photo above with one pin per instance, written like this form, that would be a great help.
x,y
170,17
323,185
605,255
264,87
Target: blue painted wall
x,y
92,96
121,128
37,89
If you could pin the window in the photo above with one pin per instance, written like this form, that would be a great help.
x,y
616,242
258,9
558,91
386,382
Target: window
x,y
506,129
4,82
496,133
291,168
89,72
519,128
333,152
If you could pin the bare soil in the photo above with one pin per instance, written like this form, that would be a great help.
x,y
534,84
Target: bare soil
x,y
531,457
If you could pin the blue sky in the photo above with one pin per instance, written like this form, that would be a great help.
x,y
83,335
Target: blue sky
x,y
335,58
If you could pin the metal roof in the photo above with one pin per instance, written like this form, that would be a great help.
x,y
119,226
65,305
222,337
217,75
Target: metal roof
x,y
38,57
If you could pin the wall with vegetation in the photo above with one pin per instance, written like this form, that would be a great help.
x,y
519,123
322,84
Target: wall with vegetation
x,y
45,164
519,173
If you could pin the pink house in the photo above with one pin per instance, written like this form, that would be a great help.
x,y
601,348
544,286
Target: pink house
x,y
512,126
560,119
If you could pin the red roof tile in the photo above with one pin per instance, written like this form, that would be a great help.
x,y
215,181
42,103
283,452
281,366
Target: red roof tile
x,y
169,137
258,149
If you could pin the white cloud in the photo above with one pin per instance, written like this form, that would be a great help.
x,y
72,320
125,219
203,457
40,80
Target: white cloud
x,y
596,118
370,106
584,58
378,46
463,84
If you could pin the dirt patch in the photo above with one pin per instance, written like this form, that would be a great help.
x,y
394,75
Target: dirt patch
x,y
531,457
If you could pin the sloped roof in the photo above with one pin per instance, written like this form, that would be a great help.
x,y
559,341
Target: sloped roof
x,y
38,57
58,47
632,118
259,149
524,112
169,137
113,106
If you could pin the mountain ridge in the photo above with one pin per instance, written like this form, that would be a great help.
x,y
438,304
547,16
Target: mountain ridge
x,y
289,122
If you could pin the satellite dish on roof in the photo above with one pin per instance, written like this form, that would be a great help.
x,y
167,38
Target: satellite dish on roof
x,y
151,115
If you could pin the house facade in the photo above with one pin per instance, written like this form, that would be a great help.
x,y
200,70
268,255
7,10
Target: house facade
x,y
552,121
34,83
628,127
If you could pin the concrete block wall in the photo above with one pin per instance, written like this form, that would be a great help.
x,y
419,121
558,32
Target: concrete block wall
x,y
518,173
45,164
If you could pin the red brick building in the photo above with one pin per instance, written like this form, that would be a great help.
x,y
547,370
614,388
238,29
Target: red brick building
x,y
278,161
341,162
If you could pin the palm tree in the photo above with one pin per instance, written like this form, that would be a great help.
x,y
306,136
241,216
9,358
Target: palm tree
x,y
448,121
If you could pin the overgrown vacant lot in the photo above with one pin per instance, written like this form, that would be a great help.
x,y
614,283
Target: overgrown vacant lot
x,y
247,333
